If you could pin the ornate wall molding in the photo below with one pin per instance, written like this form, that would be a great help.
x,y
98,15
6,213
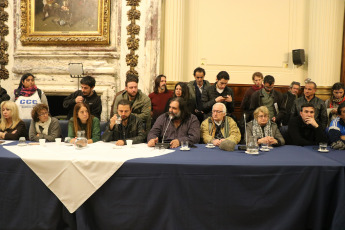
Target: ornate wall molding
x,y
132,42
4,74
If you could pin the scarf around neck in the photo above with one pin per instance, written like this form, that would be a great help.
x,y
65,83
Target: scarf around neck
x,y
256,88
257,130
26,92
336,102
44,125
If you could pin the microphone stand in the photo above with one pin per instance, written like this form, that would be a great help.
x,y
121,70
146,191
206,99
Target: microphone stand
x,y
165,145
241,147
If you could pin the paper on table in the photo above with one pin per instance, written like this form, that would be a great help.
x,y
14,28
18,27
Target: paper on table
x,y
74,175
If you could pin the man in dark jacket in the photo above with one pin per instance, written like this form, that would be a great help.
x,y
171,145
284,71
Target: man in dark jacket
x,y
196,88
88,95
270,98
289,98
304,129
319,105
124,126
218,92
257,80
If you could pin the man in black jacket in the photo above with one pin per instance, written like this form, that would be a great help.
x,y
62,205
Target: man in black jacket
x,y
270,98
124,126
304,129
88,95
218,92
289,98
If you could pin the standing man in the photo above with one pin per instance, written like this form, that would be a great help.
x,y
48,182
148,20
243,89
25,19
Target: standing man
x,y
159,97
218,92
320,112
195,90
140,103
130,127
88,95
257,80
304,129
270,98
175,126
289,98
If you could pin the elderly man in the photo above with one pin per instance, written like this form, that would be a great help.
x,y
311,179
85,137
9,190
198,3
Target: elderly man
x,y
219,127
140,103
320,112
124,126
304,129
175,126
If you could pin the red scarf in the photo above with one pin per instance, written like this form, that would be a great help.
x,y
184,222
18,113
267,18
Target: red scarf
x,y
256,88
331,104
26,92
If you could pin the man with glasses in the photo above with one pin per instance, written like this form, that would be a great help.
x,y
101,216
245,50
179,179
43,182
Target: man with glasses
x,y
218,92
219,127
270,98
195,90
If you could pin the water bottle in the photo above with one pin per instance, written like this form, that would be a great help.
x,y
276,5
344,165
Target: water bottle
x,y
81,141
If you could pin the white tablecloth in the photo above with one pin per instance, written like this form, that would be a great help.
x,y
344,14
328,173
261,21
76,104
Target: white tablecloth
x,y
74,175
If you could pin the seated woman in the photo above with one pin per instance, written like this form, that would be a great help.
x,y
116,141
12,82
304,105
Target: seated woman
x,y
83,120
43,126
336,131
11,127
265,130
181,90
337,97
27,95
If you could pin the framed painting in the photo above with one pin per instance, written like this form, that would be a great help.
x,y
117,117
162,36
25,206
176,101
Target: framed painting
x,y
65,22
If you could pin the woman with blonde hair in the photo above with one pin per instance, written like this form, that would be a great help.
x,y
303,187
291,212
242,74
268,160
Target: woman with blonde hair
x,y
43,126
83,120
265,130
11,126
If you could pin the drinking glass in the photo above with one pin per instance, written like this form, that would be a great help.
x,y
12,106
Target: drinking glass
x,y
184,145
22,141
323,147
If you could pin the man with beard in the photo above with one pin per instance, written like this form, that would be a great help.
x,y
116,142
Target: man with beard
x,y
88,95
289,98
304,129
320,111
270,98
175,126
159,97
195,90
140,103
124,126
218,92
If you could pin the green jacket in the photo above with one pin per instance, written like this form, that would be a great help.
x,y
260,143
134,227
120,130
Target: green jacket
x,y
96,129
141,107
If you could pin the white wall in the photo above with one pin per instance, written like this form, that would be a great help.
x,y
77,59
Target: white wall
x,y
246,36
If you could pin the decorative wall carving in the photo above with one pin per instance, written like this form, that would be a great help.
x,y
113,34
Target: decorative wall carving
x,y
132,42
4,74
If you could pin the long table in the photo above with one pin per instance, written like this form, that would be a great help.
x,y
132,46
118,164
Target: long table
x,y
289,187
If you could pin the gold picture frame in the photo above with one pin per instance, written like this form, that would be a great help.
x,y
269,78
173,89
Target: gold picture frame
x,y
65,22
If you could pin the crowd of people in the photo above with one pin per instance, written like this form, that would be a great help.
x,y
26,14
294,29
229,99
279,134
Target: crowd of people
x,y
197,112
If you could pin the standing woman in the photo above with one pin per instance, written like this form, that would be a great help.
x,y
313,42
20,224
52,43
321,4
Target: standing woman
x,y
337,97
83,120
27,95
181,90
43,126
11,126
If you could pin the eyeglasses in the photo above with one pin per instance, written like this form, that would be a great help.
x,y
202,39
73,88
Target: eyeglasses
x,y
217,111
43,114
263,116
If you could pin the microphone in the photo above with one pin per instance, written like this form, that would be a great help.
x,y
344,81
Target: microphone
x,y
165,145
170,118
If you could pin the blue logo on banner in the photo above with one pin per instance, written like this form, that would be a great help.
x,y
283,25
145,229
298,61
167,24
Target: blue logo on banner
x,y
28,102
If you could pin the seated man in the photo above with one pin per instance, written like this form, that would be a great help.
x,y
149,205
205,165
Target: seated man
x,y
184,126
140,103
304,129
336,131
129,128
88,95
219,127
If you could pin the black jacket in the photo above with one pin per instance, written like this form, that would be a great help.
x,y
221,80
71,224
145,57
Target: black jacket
x,y
209,95
133,131
94,103
3,95
302,134
256,102
289,99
